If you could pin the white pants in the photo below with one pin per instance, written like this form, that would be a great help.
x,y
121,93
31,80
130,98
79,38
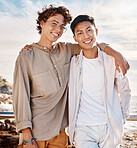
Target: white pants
x,y
92,137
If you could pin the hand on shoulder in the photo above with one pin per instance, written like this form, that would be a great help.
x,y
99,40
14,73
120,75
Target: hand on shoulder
x,y
26,47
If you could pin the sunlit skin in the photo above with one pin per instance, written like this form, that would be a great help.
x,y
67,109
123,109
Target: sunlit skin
x,y
86,36
49,33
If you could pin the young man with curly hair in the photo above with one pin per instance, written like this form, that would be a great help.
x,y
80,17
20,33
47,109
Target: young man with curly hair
x,y
40,82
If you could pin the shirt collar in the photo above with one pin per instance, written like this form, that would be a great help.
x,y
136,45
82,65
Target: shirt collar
x,y
44,48
100,55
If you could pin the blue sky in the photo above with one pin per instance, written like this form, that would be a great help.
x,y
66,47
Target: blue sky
x,y
115,19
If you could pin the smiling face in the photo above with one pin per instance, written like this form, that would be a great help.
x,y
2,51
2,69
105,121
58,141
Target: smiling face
x,y
85,35
52,29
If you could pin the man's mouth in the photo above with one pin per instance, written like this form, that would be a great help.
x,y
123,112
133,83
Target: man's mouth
x,y
55,34
87,42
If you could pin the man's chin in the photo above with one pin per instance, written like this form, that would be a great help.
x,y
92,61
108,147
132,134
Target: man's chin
x,y
89,48
54,40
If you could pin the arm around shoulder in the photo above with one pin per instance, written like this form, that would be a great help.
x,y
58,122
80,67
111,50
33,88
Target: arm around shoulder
x,y
119,59
75,48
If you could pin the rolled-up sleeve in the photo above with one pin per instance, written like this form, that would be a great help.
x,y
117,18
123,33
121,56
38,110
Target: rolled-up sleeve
x,y
123,88
21,94
74,48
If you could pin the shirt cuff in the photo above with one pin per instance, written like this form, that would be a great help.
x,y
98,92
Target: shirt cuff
x,y
102,46
23,125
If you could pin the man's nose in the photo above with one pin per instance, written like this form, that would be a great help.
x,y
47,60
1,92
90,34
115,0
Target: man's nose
x,y
86,35
58,28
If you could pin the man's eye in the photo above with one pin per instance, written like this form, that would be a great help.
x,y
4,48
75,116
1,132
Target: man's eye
x,y
54,24
79,33
89,29
62,27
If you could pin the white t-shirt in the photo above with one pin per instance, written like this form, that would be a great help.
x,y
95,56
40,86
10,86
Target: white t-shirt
x,y
92,110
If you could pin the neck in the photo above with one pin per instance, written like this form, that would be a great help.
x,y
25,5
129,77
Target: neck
x,y
90,53
45,43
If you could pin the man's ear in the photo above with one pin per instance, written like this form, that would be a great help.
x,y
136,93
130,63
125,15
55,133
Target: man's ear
x,y
74,37
96,31
41,23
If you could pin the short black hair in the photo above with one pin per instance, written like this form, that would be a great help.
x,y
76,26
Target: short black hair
x,y
80,19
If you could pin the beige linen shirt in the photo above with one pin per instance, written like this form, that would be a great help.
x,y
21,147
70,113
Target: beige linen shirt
x,y
40,89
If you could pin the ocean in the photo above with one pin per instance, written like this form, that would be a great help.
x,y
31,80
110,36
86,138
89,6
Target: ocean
x,y
131,126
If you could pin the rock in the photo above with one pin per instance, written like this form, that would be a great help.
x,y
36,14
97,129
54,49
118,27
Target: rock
x,y
5,102
5,87
9,138
5,95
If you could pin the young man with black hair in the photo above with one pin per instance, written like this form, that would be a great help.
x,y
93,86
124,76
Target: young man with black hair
x,y
41,79
99,95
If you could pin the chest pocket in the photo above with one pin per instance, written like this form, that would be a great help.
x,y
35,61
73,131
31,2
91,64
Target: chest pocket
x,y
45,83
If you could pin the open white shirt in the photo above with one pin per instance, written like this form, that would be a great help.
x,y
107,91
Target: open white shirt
x,y
91,111
116,95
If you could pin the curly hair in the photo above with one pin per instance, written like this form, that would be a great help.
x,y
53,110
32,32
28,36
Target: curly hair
x,y
51,11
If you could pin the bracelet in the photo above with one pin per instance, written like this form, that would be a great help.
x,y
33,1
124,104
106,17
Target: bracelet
x,y
28,141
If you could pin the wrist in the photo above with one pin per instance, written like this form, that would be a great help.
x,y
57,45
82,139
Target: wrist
x,y
115,54
28,141
26,134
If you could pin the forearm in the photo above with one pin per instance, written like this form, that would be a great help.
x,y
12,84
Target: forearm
x,y
26,134
110,51
119,59
107,49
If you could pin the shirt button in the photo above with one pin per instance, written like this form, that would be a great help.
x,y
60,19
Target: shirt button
x,y
60,78
55,65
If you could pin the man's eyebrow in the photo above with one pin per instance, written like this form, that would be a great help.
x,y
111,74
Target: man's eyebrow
x,y
79,30
57,22
86,28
